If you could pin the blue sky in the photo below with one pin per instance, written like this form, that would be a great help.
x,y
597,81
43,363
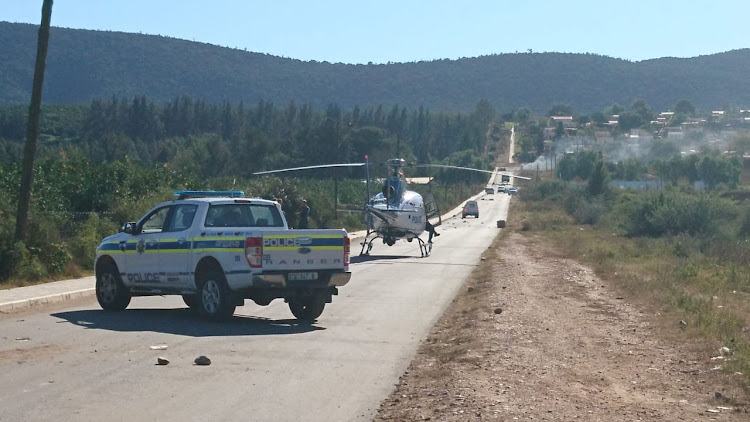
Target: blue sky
x,y
384,31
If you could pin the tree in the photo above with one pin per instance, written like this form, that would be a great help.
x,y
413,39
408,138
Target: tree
x,y
642,109
599,118
560,110
684,107
663,149
566,167
32,131
523,115
613,110
559,130
598,179
741,145
629,120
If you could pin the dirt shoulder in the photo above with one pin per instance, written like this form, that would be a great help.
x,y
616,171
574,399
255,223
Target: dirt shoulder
x,y
536,336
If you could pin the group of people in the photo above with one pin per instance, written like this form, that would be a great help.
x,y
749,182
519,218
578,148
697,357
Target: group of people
x,y
304,212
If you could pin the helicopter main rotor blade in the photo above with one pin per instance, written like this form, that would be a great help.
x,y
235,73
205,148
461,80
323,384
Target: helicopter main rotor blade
x,y
452,167
470,169
322,166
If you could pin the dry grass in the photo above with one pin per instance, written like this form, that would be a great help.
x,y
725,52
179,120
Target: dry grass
x,y
669,277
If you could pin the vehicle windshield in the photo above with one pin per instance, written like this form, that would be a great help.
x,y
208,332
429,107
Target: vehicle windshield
x,y
243,215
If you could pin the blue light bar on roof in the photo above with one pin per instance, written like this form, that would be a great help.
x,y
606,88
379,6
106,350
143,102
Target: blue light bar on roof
x,y
208,193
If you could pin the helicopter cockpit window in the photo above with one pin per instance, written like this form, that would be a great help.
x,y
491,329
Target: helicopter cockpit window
x,y
389,191
392,190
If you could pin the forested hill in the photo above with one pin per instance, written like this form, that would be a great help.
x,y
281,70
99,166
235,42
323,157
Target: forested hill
x,y
83,65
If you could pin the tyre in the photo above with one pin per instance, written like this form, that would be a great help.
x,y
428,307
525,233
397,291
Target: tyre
x,y
307,308
215,298
192,301
111,294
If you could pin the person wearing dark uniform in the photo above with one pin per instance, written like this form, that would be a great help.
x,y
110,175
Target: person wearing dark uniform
x,y
431,230
304,213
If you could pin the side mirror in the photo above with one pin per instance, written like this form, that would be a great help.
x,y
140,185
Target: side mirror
x,y
128,228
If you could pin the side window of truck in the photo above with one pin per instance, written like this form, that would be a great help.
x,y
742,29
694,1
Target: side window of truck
x,y
243,215
182,218
154,222
267,216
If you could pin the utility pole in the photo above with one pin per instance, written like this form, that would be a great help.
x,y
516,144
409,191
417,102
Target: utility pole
x,y
32,128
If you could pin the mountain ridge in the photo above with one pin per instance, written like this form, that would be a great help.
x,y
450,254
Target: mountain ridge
x,y
86,64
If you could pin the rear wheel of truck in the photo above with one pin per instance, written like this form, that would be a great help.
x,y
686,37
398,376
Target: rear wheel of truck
x,y
215,298
111,293
307,308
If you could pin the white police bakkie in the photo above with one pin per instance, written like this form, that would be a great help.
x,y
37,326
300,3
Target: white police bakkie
x,y
217,248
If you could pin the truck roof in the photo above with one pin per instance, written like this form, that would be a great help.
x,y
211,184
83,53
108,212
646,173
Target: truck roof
x,y
218,195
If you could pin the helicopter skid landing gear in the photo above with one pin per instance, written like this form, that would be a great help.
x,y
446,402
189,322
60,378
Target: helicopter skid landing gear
x,y
424,247
366,244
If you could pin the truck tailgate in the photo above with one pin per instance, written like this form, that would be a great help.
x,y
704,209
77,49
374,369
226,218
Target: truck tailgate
x,y
305,250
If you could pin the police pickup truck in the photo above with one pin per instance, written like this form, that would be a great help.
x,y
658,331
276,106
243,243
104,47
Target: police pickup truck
x,y
218,248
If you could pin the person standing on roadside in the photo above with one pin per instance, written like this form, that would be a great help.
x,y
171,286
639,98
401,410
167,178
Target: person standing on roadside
x,y
281,205
304,213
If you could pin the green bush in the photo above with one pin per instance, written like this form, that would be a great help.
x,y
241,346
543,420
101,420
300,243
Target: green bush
x,y
548,189
55,257
672,212
589,211
87,238
25,265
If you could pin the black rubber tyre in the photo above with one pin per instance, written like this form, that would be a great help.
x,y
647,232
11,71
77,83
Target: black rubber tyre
x,y
307,309
215,298
192,301
110,292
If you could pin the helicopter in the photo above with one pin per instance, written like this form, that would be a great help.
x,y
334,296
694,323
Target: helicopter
x,y
395,212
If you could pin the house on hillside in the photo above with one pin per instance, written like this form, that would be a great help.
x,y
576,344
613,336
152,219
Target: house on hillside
x,y
567,121
675,133
640,135
603,136
663,118
569,126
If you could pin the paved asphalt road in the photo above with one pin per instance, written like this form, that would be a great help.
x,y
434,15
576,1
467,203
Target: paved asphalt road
x,y
81,363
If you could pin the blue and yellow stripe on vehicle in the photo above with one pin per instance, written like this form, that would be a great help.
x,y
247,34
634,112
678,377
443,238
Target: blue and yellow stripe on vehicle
x,y
131,247
110,247
219,244
174,245
317,242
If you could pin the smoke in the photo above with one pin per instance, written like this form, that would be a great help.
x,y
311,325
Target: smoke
x,y
639,144
542,163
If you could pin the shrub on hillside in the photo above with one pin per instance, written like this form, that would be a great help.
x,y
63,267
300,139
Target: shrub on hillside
x,y
87,238
660,213
24,264
548,189
589,211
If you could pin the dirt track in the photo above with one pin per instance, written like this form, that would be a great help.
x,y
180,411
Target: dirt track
x,y
533,336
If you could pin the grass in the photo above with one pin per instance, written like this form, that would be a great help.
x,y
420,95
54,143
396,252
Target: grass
x,y
670,277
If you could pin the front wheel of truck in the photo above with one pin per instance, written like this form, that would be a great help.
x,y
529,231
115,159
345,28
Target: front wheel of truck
x,y
307,308
110,291
215,298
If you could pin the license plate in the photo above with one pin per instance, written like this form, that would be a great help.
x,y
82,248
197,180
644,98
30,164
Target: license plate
x,y
302,276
